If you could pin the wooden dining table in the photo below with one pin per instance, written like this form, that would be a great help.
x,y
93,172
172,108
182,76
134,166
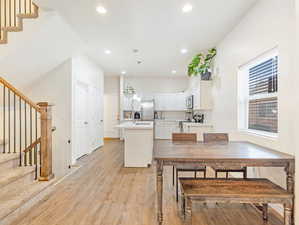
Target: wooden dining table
x,y
244,154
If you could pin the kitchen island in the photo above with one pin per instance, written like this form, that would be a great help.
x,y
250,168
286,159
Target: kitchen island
x,y
139,138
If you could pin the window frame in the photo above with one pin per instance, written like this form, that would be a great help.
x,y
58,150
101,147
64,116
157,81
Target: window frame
x,y
244,97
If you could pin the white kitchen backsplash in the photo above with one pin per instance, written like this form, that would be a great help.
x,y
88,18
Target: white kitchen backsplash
x,y
173,115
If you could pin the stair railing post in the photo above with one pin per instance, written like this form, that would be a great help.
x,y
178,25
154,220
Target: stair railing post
x,y
46,172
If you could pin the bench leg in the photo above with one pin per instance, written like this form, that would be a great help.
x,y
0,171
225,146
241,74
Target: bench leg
x,y
183,205
188,212
245,173
288,208
173,170
177,186
265,211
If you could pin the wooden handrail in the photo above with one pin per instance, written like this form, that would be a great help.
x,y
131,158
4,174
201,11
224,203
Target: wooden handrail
x,y
26,122
20,94
33,145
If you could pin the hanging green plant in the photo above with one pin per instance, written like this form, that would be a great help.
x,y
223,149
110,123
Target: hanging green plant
x,y
201,64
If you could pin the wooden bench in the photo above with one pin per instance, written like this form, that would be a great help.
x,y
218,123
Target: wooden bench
x,y
260,191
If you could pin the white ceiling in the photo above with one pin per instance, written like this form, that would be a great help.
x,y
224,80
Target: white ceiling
x,y
158,28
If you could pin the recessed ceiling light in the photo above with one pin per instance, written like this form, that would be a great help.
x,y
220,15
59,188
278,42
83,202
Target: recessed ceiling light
x,y
187,8
101,10
184,50
123,72
107,51
173,72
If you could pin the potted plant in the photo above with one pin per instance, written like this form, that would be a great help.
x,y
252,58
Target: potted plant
x,y
201,64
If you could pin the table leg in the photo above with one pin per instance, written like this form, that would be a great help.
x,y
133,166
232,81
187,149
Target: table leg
x,y
160,191
288,210
290,170
265,211
188,212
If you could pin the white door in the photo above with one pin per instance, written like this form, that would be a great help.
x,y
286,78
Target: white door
x,y
111,115
96,118
81,143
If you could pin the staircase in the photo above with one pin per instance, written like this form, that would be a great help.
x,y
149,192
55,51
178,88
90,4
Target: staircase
x,y
25,152
12,13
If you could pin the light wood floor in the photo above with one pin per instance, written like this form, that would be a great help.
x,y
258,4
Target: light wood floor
x,y
102,192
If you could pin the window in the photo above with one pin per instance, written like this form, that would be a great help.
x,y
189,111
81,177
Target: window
x,y
258,88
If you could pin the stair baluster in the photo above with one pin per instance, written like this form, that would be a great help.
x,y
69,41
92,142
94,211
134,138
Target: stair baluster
x,y
12,13
4,118
28,133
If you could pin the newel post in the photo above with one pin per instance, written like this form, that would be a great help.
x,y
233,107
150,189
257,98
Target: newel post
x,y
46,173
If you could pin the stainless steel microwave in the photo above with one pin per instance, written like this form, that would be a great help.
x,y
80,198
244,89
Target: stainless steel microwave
x,y
189,102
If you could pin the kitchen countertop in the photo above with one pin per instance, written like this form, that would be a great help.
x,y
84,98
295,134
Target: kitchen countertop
x,y
198,124
144,125
193,124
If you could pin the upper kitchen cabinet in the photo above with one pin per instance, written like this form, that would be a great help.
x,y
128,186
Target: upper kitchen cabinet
x,y
131,103
170,102
203,99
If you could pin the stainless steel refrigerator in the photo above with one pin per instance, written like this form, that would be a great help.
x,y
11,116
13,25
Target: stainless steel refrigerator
x,y
147,110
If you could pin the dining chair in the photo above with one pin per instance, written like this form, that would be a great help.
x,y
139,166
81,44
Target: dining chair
x,y
191,138
223,138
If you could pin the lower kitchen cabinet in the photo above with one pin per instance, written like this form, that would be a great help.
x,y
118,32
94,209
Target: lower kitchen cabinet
x,y
164,129
197,128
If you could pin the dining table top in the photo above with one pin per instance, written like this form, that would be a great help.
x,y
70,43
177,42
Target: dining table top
x,y
189,151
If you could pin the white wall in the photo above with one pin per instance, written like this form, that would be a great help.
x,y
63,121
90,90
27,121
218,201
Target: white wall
x,y
268,24
58,87
55,87
112,106
295,106
43,44
86,71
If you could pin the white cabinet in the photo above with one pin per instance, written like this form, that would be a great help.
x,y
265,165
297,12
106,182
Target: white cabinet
x,y
127,104
164,129
203,99
131,104
170,102
199,129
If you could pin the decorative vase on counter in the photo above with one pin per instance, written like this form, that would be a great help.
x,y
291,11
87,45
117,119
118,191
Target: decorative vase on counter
x,y
206,76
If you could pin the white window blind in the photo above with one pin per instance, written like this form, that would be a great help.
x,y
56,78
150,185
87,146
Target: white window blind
x,y
263,77
262,109
257,92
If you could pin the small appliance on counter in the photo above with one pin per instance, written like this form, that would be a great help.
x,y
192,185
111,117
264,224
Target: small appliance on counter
x,y
189,115
198,118
137,116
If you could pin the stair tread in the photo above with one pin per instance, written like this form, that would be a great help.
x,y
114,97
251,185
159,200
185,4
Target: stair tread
x,y
9,175
7,157
13,198
20,17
